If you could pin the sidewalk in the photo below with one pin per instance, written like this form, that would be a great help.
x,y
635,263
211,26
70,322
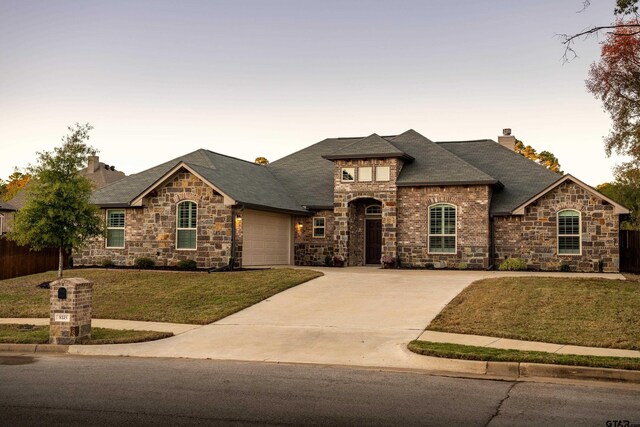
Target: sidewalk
x,y
175,328
505,343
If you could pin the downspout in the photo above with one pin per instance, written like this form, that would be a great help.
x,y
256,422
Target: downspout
x,y
233,239
492,243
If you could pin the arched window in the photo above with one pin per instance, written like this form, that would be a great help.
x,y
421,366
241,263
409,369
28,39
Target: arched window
x,y
373,210
442,228
186,229
569,230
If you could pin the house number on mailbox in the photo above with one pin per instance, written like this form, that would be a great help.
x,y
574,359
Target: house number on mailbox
x,y
62,317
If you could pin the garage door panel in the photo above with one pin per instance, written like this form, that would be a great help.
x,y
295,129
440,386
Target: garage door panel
x,y
266,238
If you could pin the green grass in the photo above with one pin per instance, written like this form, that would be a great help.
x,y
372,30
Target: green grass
x,y
27,334
197,298
468,352
579,311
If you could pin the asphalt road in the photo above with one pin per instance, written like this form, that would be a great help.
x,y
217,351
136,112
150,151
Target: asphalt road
x,y
74,390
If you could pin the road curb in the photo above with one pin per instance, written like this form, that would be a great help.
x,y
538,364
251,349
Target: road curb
x,y
35,348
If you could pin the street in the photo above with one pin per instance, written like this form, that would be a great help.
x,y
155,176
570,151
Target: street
x,y
44,389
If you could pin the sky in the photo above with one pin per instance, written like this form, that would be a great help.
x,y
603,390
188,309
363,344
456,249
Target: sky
x,y
159,79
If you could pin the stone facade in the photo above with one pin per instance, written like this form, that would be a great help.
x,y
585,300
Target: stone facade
x,y
472,225
70,318
345,193
150,231
533,236
311,250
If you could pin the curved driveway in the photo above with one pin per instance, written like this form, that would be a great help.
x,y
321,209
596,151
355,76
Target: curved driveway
x,y
351,316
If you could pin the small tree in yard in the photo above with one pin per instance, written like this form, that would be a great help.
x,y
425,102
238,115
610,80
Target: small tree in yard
x,y
57,212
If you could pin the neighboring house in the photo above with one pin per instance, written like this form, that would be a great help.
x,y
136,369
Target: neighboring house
x,y
6,216
100,174
404,196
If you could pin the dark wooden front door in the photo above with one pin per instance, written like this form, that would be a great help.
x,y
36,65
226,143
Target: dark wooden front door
x,y
373,241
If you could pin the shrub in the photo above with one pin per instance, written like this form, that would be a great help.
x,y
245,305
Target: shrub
x,y
328,261
565,268
429,266
144,262
187,264
388,261
462,266
107,263
513,264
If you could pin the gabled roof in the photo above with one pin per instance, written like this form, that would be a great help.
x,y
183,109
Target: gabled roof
x,y
371,147
4,206
433,165
521,178
618,208
244,182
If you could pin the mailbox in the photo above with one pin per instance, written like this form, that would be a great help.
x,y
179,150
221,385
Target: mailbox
x,y
62,293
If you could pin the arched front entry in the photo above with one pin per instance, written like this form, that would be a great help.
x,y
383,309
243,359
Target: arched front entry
x,y
365,231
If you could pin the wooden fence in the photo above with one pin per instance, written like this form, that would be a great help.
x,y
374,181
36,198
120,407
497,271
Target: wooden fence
x,y
19,260
630,251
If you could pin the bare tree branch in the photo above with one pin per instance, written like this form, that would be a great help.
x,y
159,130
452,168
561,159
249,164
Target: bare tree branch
x,y
569,40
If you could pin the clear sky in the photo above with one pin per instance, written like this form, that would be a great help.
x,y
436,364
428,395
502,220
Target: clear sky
x,y
158,79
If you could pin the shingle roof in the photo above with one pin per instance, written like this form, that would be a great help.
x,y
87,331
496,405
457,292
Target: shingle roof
x,y
521,178
4,206
246,182
433,165
371,147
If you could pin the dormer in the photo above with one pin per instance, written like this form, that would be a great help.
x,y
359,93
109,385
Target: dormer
x,y
368,161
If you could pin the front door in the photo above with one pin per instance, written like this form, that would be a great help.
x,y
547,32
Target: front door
x,y
373,241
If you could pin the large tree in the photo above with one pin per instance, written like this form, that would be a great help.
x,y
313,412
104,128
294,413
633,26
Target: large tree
x,y
16,181
545,158
626,191
615,80
627,23
57,212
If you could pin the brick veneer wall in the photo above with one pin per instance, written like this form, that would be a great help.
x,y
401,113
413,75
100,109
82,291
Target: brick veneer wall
x,y
311,250
150,231
472,223
534,235
347,192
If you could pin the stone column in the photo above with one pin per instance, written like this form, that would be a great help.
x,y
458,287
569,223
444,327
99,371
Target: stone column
x,y
70,310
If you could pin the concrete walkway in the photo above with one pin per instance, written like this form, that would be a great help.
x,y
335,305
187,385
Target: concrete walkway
x,y
505,343
176,328
350,316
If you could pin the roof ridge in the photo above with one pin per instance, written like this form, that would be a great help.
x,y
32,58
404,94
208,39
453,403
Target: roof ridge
x,y
468,140
227,156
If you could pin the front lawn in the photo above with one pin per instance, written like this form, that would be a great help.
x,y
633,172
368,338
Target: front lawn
x,y
197,298
579,311
469,352
27,334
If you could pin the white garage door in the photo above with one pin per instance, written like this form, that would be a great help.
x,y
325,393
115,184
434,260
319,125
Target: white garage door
x,y
266,238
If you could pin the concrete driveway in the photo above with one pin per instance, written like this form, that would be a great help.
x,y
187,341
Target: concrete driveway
x,y
351,316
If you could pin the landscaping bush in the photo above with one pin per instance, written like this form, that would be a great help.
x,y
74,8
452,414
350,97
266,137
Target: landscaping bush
x,y
513,264
107,263
328,261
462,266
429,266
388,261
144,262
187,264
565,268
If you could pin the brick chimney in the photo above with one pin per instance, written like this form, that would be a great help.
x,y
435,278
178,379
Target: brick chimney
x,y
507,140
93,164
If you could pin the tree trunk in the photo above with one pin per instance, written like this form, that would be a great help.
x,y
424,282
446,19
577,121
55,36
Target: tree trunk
x,y
60,258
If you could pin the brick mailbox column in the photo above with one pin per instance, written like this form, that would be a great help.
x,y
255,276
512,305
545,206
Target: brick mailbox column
x,y
70,310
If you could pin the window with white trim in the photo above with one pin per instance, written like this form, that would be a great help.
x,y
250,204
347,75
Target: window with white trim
x,y
442,228
569,232
373,210
348,174
318,227
186,230
115,228
365,173
383,173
